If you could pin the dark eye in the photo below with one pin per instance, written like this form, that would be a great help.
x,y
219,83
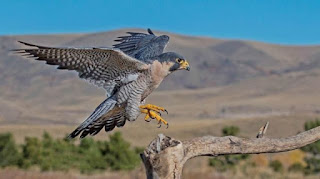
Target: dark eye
x,y
179,60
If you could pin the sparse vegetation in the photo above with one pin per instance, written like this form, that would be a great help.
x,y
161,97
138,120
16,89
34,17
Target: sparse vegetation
x,y
313,151
9,154
296,167
90,156
230,131
223,163
60,154
312,159
276,166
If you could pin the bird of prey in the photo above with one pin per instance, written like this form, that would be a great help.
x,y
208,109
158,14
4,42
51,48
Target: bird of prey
x,y
129,72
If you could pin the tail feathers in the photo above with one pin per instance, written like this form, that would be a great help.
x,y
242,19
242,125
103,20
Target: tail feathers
x,y
106,106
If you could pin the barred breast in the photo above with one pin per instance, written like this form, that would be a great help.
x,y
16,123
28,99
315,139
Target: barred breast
x,y
134,88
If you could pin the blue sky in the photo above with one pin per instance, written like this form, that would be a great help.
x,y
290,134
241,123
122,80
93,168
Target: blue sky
x,y
275,21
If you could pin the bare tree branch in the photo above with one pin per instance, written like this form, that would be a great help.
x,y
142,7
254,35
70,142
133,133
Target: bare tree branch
x,y
165,156
263,130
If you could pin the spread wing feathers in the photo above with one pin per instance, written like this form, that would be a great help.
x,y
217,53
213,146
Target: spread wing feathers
x,y
101,66
133,41
109,122
142,46
103,115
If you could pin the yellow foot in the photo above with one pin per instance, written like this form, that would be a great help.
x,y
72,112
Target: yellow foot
x,y
154,112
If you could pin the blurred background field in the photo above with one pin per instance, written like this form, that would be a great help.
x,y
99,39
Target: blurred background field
x,y
228,86
234,85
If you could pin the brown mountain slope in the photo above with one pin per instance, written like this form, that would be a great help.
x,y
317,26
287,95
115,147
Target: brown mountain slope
x,y
32,92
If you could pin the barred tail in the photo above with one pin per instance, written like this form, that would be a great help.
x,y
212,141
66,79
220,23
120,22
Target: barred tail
x,y
106,106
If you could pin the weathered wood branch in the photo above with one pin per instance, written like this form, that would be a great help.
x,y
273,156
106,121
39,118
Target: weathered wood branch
x,y
165,156
263,130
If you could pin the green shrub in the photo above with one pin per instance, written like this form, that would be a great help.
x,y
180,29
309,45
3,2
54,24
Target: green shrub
x,y
60,154
118,153
313,165
219,164
230,131
313,148
138,150
223,163
313,159
31,152
276,165
311,124
296,167
9,154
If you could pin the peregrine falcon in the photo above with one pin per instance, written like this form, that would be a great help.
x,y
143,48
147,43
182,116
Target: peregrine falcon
x,y
129,72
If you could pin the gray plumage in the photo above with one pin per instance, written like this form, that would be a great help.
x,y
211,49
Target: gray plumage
x,y
142,46
128,74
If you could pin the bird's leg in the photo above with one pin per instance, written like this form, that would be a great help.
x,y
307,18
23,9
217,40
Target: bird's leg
x,y
153,111
158,118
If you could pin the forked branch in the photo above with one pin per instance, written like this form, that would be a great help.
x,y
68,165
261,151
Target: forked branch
x,y
165,156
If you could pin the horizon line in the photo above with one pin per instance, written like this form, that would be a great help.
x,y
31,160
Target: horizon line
x,y
165,31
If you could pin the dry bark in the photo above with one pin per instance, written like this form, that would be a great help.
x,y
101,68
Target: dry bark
x,y
165,156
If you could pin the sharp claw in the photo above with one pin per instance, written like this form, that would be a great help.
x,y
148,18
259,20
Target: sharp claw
x,y
155,114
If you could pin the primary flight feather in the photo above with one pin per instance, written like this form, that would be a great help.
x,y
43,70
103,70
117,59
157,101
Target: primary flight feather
x,y
129,72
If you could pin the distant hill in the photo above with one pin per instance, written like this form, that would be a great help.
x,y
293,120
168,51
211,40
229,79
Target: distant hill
x,y
32,92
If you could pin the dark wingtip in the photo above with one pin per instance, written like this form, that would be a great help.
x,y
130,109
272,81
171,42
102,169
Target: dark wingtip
x,y
74,134
21,50
28,44
150,31
32,45
17,50
70,137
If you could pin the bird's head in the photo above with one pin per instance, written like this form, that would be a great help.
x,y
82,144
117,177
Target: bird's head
x,y
174,61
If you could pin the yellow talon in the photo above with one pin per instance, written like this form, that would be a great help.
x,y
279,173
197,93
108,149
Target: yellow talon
x,y
153,108
147,117
147,114
144,111
157,117
153,111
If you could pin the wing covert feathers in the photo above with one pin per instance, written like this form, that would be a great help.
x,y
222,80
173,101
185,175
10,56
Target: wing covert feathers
x,y
100,66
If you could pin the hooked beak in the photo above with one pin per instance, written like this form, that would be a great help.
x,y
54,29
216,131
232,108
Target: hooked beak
x,y
185,65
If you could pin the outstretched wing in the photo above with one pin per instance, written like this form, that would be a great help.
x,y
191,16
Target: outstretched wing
x,y
107,115
142,46
105,67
